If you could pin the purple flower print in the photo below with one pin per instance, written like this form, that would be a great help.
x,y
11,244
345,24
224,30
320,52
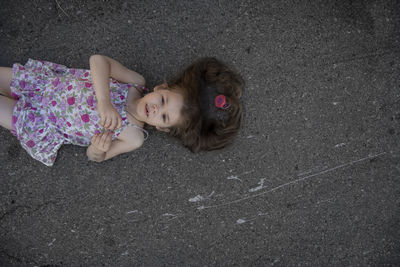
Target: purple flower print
x,y
52,118
22,84
45,101
94,117
67,103
62,106
62,86
30,144
15,96
78,122
85,118
56,82
31,117
71,100
90,101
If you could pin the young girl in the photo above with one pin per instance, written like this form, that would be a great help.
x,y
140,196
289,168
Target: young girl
x,y
46,105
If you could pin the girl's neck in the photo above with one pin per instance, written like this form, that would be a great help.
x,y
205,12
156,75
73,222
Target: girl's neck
x,y
131,109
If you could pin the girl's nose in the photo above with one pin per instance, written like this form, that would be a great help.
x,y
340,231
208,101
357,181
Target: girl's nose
x,y
155,109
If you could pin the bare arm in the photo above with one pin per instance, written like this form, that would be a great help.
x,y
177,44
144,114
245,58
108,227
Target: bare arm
x,y
103,147
102,68
117,147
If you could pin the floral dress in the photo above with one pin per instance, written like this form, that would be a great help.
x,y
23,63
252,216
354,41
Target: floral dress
x,y
56,105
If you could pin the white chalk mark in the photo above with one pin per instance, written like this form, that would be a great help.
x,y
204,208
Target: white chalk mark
x,y
199,198
310,171
259,214
291,182
132,211
240,221
326,200
234,177
172,216
51,243
275,261
261,186
125,253
61,8
335,103
250,136
304,173
341,144
196,198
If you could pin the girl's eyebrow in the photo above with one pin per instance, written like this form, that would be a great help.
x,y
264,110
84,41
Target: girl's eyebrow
x,y
166,103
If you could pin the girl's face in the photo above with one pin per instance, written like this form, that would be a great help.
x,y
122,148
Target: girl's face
x,y
161,108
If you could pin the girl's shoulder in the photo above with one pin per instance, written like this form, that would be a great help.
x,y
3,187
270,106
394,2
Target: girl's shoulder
x,y
135,91
133,135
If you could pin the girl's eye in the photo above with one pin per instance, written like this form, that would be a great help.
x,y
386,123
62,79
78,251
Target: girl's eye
x,y
163,117
162,100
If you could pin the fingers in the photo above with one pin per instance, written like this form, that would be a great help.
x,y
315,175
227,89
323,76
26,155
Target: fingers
x,y
94,140
105,140
103,119
114,123
107,122
119,122
111,121
102,141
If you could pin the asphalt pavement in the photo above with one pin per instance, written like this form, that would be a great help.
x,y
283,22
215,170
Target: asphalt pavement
x,y
311,180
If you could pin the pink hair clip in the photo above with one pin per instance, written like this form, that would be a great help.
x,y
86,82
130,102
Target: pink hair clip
x,y
221,102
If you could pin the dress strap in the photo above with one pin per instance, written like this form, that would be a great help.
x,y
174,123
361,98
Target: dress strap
x,y
140,128
143,90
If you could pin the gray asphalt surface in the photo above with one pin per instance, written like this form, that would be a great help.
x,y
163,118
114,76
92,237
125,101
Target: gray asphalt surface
x,y
312,179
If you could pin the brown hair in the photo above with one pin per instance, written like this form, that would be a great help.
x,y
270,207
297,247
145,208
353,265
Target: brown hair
x,y
204,126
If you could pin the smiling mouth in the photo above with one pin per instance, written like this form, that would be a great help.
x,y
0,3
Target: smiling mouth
x,y
147,110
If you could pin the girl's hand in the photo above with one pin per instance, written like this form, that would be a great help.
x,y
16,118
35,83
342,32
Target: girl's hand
x,y
102,141
110,118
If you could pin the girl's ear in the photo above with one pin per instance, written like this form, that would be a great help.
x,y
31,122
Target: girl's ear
x,y
163,129
161,86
